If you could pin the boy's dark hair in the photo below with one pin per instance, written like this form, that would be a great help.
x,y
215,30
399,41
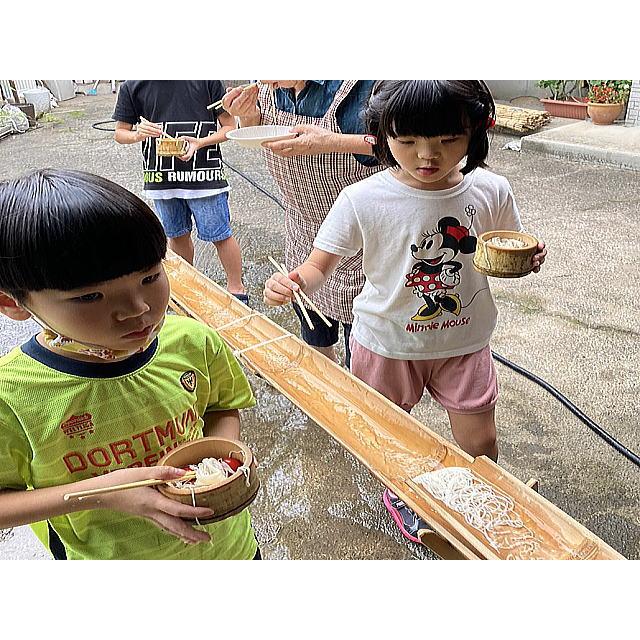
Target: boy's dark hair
x,y
63,229
430,108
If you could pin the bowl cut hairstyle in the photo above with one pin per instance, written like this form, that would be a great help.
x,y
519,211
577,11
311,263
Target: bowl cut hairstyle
x,y
429,109
64,229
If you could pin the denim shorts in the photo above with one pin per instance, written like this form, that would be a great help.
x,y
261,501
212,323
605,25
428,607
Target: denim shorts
x,y
321,335
211,214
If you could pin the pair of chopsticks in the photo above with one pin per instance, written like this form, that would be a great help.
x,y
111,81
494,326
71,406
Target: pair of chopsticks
x,y
218,104
128,485
164,133
299,296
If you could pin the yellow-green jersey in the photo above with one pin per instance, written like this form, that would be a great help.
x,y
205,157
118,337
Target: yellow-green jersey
x,y
63,420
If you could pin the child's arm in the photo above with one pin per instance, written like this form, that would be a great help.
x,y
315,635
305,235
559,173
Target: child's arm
x,y
309,277
222,424
23,507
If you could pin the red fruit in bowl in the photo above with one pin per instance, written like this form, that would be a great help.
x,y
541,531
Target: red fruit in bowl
x,y
233,463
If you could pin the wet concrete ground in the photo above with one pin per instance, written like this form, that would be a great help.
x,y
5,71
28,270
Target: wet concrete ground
x,y
575,324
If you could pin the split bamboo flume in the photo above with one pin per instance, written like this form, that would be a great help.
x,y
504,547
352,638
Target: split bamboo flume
x,y
394,446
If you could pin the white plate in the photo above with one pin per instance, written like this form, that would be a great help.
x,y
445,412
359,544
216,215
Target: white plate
x,y
253,137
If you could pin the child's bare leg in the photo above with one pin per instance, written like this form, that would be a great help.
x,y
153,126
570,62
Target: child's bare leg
x,y
475,432
183,246
231,260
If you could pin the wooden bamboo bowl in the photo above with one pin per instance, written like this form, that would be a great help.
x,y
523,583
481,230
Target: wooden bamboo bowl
x,y
504,262
226,499
171,147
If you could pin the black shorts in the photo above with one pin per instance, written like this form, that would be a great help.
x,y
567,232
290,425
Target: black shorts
x,y
321,335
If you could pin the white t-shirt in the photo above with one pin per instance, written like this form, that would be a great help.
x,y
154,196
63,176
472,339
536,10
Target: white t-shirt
x,y
422,298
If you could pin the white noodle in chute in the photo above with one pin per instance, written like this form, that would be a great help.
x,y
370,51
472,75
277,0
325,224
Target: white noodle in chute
x,y
481,506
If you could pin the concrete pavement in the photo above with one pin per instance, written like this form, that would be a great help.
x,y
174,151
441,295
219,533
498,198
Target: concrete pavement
x,y
616,145
575,324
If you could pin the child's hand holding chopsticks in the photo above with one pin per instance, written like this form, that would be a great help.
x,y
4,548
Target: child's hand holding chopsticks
x,y
147,129
280,289
284,287
107,492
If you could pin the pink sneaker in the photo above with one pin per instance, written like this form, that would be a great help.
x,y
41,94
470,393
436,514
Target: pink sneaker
x,y
408,522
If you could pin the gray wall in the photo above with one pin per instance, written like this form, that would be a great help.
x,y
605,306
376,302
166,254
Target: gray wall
x,y
508,89
633,109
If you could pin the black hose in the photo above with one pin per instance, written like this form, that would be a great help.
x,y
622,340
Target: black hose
x,y
255,184
607,437
95,125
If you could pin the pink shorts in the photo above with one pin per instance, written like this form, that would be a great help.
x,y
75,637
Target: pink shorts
x,y
461,384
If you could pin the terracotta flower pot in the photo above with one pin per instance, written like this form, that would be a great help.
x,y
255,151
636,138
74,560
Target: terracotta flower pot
x,y
601,113
576,109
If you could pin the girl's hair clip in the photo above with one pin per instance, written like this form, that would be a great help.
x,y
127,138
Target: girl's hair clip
x,y
490,123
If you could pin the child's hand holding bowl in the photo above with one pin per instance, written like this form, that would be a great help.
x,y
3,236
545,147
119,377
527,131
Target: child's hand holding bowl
x,y
539,258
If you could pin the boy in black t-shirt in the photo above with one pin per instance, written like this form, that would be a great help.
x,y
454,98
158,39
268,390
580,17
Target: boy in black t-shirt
x,y
190,186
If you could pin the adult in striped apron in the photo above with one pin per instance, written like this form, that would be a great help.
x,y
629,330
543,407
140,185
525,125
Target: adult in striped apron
x,y
309,185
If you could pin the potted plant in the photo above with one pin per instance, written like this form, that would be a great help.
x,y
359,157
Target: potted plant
x,y
607,99
563,103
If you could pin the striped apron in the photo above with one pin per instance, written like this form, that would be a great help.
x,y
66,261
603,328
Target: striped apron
x,y
309,185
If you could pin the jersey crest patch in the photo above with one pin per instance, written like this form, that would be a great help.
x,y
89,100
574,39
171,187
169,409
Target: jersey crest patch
x,y
81,426
188,380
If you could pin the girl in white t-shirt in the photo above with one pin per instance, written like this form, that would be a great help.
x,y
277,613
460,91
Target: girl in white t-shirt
x,y
424,317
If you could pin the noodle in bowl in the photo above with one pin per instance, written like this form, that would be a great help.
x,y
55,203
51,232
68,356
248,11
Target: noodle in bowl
x,y
505,254
228,495
171,147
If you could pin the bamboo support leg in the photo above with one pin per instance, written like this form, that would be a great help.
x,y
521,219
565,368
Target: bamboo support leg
x,y
439,545
533,483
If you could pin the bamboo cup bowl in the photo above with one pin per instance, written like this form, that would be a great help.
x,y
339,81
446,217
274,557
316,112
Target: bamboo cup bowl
x,y
228,498
504,262
171,147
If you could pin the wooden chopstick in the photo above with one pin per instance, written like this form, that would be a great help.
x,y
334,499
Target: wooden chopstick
x,y
218,103
306,298
281,268
296,295
128,485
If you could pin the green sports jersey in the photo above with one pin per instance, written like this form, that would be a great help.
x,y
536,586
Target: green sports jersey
x,y
62,420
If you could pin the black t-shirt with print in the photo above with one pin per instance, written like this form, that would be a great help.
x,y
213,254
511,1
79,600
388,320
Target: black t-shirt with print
x,y
181,107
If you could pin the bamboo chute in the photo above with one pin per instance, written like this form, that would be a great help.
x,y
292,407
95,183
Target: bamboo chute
x,y
393,445
520,120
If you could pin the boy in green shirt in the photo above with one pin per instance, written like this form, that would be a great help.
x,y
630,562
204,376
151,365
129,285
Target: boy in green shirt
x,y
107,387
